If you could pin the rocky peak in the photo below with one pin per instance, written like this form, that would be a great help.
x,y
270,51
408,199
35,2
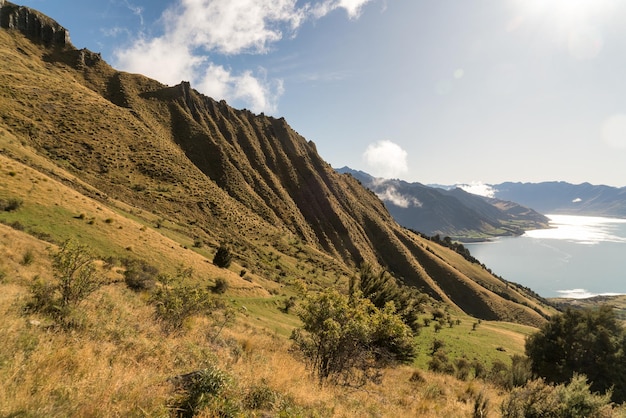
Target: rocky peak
x,y
33,24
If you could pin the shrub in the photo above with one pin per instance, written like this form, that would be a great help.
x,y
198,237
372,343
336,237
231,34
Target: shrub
x,y
175,304
539,399
500,375
27,258
220,287
440,363
261,397
463,368
200,390
348,340
11,204
140,275
381,288
589,342
76,278
223,256
74,268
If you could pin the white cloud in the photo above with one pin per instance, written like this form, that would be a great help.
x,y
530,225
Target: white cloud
x,y
479,188
390,194
352,7
386,159
195,30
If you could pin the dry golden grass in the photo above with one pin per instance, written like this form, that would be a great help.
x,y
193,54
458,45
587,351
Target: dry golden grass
x,y
120,363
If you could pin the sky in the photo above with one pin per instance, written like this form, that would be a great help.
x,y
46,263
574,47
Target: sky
x,y
429,91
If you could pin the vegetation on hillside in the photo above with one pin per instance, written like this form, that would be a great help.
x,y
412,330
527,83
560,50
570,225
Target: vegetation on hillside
x,y
119,298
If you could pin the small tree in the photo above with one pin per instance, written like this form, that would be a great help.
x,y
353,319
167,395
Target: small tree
x,y
223,256
175,303
589,342
347,340
74,268
76,278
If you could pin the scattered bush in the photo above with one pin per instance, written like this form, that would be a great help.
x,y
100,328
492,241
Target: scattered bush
x,y
76,278
28,258
347,340
223,256
220,287
175,304
201,390
140,275
585,341
289,304
538,399
380,288
11,204
261,397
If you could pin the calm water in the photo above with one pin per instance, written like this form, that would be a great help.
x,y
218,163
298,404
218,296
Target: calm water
x,y
581,256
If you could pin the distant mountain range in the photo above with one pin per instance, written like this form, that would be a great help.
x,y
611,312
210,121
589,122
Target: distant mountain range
x,y
565,198
450,211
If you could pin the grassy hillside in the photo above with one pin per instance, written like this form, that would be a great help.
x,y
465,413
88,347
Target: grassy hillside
x,y
139,172
213,173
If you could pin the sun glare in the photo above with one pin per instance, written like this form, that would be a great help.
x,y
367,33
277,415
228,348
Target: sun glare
x,y
576,24
566,9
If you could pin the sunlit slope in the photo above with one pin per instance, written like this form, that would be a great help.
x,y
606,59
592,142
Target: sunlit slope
x,y
214,173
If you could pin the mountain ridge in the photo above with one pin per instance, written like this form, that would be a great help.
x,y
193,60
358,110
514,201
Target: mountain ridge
x,y
222,174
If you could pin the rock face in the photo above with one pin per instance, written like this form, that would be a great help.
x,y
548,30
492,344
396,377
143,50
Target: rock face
x,y
33,24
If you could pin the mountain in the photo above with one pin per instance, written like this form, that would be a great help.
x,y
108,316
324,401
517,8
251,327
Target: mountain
x,y
450,212
201,172
566,198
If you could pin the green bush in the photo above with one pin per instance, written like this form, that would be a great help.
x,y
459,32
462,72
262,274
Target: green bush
x,y
223,257
538,399
175,304
261,397
140,275
221,286
586,341
11,204
380,288
202,390
75,279
346,340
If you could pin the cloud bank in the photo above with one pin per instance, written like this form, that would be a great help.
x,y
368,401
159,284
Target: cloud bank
x,y
196,31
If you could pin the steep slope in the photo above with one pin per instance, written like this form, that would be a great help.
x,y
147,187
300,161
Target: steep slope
x,y
218,174
454,213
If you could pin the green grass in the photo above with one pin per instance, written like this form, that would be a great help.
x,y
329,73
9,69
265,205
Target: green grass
x,y
267,313
490,341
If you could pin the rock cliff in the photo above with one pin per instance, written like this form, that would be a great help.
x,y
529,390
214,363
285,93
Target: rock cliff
x,y
33,24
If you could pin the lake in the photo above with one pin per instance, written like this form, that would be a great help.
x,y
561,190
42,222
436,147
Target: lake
x,y
580,256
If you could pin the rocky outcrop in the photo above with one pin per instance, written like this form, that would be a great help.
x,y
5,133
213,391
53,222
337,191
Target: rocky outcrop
x,y
33,24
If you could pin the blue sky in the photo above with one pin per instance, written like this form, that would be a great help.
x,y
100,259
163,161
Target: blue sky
x,y
435,91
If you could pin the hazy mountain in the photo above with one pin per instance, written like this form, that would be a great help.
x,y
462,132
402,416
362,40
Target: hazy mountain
x,y
213,173
565,198
450,212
